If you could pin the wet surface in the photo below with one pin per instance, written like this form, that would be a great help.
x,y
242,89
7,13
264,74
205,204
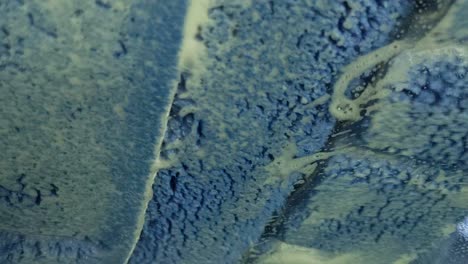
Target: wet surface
x,y
234,131
396,183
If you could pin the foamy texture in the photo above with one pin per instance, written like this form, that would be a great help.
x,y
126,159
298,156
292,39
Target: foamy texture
x,y
401,56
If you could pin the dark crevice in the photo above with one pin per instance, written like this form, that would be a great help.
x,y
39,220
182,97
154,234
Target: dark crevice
x,y
199,35
103,4
31,19
299,40
78,12
123,49
173,183
54,190
272,7
38,199
347,7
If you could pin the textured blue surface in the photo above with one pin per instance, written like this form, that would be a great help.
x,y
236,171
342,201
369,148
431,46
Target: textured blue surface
x,y
437,128
81,110
393,199
399,185
211,212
